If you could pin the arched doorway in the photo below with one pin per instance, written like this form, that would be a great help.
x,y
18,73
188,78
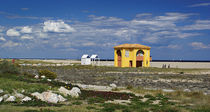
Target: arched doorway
x,y
139,58
119,58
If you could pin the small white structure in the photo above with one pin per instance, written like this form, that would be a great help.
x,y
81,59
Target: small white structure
x,y
95,59
85,59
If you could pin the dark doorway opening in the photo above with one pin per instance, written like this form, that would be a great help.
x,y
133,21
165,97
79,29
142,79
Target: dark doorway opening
x,y
119,58
138,63
139,58
130,64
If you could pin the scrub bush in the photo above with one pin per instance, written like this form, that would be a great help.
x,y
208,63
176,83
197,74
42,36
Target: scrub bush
x,y
8,67
47,74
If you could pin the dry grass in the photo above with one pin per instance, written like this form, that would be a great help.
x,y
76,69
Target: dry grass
x,y
193,100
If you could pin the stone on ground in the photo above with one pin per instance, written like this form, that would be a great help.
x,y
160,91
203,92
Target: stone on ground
x,y
50,97
187,90
26,99
36,76
74,92
38,95
168,90
11,99
64,91
113,85
19,95
1,91
1,99
61,98
5,96
42,76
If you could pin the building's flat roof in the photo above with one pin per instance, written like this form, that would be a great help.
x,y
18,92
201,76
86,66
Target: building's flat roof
x,y
132,46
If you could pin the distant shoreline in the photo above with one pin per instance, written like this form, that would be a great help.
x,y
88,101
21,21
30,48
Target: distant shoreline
x,y
109,59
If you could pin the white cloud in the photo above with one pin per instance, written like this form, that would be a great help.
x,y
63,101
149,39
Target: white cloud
x,y
99,31
151,39
174,46
199,45
12,32
200,5
173,16
153,23
57,26
2,39
171,46
89,44
42,35
26,29
143,15
26,37
199,25
185,35
10,44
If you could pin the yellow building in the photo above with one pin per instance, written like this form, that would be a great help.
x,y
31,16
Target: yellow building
x,y
132,55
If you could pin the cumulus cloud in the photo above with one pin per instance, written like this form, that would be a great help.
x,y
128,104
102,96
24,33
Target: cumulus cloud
x,y
2,39
199,45
10,44
26,37
57,26
12,32
26,29
101,31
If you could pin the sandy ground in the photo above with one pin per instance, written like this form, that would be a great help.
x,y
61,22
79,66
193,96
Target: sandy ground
x,y
152,64
62,61
182,64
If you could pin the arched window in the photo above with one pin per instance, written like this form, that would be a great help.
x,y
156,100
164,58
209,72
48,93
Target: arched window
x,y
140,53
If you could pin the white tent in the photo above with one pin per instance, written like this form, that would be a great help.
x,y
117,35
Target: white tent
x,y
95,59
85,59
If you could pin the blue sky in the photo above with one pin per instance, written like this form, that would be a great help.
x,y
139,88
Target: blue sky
x,y
175,29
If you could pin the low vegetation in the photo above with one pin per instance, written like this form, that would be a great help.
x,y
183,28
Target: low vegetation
x,y
8,67
47,74
11,79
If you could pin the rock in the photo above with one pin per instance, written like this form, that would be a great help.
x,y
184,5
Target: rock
x,y
50,97
11,99
1,91
5,96
43,77
61,98
156,102
23,91
144,99
38,95
1,99
113,85
187,90
36,76
49,80
74,92
167,90
64,91
26,99
19,95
